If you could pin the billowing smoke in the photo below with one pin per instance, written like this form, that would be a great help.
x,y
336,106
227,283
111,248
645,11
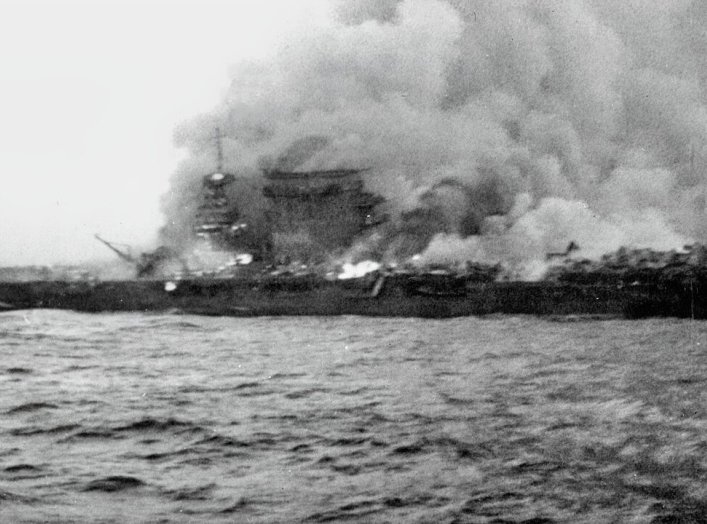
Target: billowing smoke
x,y
497,131
296,155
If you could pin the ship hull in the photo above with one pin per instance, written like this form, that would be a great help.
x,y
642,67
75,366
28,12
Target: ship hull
x,y
390,297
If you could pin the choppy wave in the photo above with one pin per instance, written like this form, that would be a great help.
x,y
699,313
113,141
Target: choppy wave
x,y
349,419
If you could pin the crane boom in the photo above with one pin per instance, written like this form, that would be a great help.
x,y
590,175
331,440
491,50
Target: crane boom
x,y
125,256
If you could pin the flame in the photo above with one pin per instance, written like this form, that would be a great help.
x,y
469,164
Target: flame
x,y
358,270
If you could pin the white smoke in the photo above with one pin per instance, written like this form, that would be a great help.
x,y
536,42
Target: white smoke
x,y
591,116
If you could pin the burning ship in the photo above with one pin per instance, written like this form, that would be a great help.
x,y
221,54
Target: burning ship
x,y
312,214
601,129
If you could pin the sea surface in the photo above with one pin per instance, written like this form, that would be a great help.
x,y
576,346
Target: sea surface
x,y
159,418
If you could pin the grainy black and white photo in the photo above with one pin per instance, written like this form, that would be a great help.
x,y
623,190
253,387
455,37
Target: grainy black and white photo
x,y
371,261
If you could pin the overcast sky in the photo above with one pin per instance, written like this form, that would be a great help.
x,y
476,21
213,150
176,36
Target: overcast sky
x,y
90,94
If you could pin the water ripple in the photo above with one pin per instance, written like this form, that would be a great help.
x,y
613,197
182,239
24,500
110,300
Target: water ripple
x,y
504,419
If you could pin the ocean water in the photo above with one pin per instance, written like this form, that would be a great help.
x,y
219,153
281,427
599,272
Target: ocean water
x,y
158,418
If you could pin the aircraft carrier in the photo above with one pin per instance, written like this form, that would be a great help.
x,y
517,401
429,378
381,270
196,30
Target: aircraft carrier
x,y
232,270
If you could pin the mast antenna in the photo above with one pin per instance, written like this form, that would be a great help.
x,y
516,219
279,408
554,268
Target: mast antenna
x,y
692,173
219,149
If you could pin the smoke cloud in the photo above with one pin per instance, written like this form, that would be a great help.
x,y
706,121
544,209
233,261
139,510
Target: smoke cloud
x,y
497,131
